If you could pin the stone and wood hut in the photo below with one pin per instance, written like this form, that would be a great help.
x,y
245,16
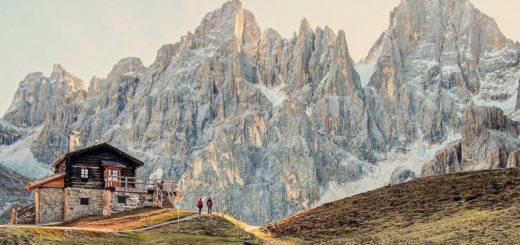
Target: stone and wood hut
x,y
97,180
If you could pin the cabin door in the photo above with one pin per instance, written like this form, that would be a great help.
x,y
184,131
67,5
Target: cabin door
x,y
112,179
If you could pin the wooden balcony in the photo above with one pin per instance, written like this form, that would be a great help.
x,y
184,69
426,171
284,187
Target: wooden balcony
x,y
165,193
139,185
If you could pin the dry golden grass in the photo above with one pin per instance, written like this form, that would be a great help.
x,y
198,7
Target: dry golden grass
x,y
200,230
473,207
131,220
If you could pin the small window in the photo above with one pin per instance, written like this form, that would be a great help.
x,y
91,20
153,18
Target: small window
x,y
84,173
121,199
83,201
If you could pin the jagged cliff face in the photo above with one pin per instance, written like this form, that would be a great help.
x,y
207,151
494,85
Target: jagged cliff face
x,y
268,126
434,58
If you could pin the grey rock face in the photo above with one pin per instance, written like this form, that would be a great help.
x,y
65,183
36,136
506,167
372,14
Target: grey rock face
x,y
8,136
37,96
517,106
446,160
489,141
488,138
232,112
11,191
434,57
513,160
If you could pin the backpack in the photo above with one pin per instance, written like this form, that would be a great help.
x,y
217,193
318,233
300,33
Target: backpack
x,y
199,204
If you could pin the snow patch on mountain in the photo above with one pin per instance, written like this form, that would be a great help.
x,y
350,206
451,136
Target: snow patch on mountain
x,y
501,93
19,157
378,175
274,94
365,71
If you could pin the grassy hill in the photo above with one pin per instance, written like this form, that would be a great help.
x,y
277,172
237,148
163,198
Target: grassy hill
x,y
204,229
471,207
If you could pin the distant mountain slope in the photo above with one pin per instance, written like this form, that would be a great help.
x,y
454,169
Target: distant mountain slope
x,y
481,206
11,191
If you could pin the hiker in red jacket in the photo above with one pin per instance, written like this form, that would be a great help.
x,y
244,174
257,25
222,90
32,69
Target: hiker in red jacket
x,y
209,203
199,205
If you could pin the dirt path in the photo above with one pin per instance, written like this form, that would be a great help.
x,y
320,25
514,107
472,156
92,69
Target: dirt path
x,y
163,224
59,228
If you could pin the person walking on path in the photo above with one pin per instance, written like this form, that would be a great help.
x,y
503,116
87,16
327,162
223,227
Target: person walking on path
x,y
199,205
209,203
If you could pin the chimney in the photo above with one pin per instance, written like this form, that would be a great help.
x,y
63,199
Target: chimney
x,y
74,140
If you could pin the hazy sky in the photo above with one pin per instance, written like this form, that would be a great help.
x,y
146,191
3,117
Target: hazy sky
x,y
89,37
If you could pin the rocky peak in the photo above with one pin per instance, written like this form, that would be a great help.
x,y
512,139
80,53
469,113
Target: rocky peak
x,y
127,66
305,27
229,23
449,35
58,71
66,82
38,95
165,55
435,57
343,80
94,85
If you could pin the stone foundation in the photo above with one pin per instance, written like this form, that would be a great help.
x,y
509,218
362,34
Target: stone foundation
x,y
49,205
57,205
73,208
133,201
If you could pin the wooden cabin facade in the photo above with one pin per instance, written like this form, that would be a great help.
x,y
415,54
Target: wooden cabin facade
x,y
97,180
90,167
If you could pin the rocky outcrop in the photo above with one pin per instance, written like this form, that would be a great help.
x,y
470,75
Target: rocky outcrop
x,y
488,138
489,141
8,135
401,175
513,160
446,160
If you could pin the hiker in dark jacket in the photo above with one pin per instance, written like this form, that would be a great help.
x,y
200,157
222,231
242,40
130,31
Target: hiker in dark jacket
x,y
199,205
209,203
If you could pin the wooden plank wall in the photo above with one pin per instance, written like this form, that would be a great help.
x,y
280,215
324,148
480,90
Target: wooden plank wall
x,y
92,161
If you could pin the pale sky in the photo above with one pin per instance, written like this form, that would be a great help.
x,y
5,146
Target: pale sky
x,y
89,37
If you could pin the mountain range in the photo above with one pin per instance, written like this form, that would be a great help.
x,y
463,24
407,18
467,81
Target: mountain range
x,y
269,126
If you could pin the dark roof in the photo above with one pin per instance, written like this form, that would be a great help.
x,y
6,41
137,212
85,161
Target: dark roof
x,y
95,147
